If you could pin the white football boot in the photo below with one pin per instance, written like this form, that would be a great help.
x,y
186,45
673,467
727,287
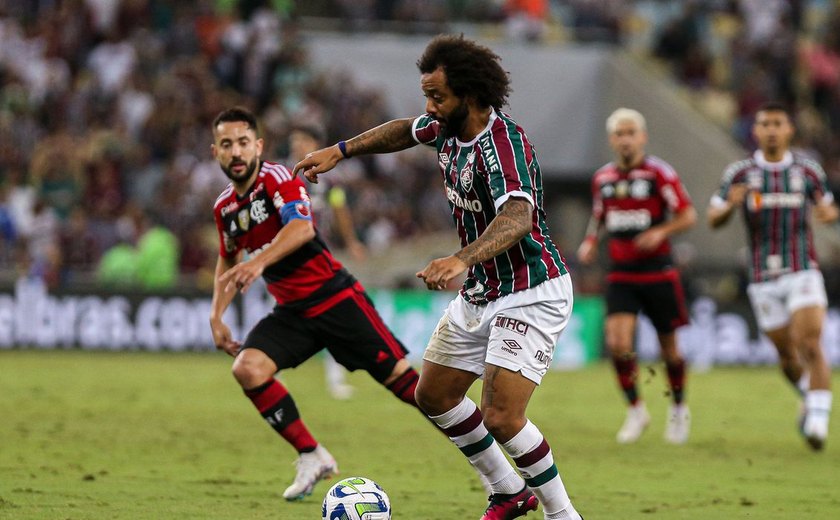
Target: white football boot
x,y
679,424
635,423
312,467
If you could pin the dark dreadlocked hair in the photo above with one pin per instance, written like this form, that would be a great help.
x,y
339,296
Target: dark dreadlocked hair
x,y
471,69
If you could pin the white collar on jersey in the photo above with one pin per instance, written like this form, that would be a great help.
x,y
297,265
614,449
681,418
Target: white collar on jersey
x,y
786,161
486,128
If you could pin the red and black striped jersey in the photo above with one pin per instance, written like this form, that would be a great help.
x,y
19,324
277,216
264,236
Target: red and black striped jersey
x,y
777,211
630,202
250,222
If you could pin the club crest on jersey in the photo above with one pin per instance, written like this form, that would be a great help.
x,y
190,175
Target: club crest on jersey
x,y
796,180
640,189
466,173
244,219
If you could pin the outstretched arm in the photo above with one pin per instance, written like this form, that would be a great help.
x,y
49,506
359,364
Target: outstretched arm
x,y
392,136
513,222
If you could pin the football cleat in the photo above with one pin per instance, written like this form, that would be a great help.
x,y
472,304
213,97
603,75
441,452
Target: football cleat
x,y
635,423
312,467
679,424
505,507
814,428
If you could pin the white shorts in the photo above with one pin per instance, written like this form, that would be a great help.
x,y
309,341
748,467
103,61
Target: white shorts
x,y
774,301
517,332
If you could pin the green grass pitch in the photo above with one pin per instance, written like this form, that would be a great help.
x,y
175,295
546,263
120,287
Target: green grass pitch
x,y
140,435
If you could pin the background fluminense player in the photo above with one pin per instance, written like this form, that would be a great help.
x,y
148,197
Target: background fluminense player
x,y
777,190
517,297
641,202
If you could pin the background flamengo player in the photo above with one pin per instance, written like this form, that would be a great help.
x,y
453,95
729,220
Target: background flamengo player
x,y
265,211
641,202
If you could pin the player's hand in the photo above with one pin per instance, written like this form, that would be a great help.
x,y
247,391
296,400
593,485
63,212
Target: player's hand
x,y
737,194
318,162
223,339
826,213
588,251
241,276
650,239
441,271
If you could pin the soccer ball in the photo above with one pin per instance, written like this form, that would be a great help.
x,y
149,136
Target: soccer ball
x,y
356,498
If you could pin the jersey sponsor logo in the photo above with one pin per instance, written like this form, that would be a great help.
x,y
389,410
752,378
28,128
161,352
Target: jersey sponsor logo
x,y
758,201
490,158
244,219
229,243
230,207
621,189
511,346
607,190
519,327
627,220
543,358
469,205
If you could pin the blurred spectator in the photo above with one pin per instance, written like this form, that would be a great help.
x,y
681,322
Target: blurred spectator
x,y
526,19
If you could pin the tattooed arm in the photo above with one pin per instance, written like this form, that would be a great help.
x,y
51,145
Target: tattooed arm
x,y
392,136
513,222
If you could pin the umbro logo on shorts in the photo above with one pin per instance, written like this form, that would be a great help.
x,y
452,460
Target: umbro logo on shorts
x,y
511,346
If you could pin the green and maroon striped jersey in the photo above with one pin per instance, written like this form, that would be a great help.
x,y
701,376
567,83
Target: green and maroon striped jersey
x,y
777,211
480,176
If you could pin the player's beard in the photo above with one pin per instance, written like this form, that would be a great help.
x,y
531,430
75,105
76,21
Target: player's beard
x,y
244,176
453,124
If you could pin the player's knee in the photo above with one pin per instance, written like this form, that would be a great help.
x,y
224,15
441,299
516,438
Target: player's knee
x,y
502,424
250,370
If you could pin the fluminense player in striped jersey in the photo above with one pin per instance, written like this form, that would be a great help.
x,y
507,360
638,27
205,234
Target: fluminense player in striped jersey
x,y
517,297
777,191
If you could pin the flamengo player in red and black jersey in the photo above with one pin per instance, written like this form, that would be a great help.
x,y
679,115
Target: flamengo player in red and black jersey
x,y
776,191
265,213
641,202
517,297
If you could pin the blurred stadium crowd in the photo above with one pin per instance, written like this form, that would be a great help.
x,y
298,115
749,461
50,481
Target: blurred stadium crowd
x,y
105,107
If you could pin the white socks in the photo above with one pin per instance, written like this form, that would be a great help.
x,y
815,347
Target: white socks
x,y
463,425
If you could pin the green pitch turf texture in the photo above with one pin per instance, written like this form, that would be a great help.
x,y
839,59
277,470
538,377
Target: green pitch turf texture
x,y
159,436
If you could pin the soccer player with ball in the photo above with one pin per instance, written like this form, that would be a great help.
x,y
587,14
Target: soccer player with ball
x,y
265,211
777,190
517,297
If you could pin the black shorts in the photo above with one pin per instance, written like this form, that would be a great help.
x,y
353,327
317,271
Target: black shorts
x,y
351,330
662,300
